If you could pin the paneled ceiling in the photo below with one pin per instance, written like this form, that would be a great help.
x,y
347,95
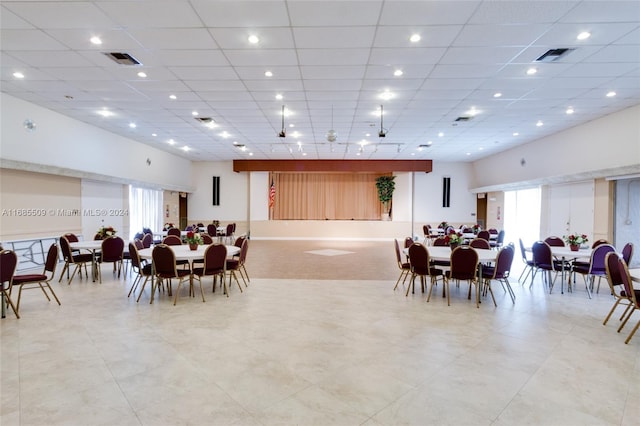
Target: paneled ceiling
x,y
462,92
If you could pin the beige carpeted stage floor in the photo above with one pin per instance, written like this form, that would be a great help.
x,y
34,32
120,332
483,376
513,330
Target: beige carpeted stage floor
x,y
359,260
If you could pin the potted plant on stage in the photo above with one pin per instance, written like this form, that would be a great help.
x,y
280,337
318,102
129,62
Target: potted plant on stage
x,y
386,185
194,240
575,240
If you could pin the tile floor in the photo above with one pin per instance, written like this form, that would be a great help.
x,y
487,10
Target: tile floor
x,y
316,352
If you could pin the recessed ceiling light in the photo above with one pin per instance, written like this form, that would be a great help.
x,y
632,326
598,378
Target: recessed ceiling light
x,y
268,74
415,38
480,149
429,143
304,154
398,73
611,94
279,97
569,110
584,35
154,134
133,125
468,153
95,40
539,123
186,148
250,154
194,113
292,125
413,153
386,95
174,97
253,39
497,95
18,74
441,134
296,134
472,112
225,134
171,142
142,74
516,134
104,113
532,71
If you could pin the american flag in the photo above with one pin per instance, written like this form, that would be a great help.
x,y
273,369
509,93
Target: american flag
x,y
272,194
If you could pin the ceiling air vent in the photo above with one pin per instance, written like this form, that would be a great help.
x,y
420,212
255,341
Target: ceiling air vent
x,y
204,120
553,55
122,58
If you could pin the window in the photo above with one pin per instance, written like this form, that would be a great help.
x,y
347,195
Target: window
x,y
145,207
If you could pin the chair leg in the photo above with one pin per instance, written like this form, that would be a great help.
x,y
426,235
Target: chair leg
x,y
632,332
10,303
624,322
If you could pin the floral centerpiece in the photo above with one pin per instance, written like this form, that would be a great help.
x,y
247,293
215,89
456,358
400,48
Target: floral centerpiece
x,y
476,228
453,238
106,231
193,239
443,225
167,226
575,240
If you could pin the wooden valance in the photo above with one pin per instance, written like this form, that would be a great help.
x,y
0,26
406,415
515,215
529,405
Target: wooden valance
x,y
382,166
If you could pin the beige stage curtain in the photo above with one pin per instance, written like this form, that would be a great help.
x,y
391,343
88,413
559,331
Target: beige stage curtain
x,y
320,196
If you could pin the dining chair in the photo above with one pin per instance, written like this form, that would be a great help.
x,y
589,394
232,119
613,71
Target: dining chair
x,y
627,253
206,239
174,231
554,241
238,243
164,263
616,286
499,241
441,242
215,259
485,235
500,272
480,243
405,267
595,267
147,240
528,264
543,261
141,270
421,266
634,296
8,264
212,230
234,265
112,251
464,266
78,260
41,281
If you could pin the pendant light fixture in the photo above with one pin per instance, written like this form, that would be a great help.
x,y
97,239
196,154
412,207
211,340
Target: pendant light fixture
x,y
282,133
332,135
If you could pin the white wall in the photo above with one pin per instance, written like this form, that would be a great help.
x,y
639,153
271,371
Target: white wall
x,y
234,193
62,145
104,204
607,146
428,196
259,195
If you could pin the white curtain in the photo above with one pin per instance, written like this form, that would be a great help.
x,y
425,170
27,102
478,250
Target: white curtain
x,y
145,207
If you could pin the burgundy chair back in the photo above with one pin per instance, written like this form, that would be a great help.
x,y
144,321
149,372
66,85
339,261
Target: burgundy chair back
x,y
215,258
172,240
135,258
554,241
408,242
66,249
112,249
613,273
138,244
599,242
174,231
206,239
72,238
419,259
627,253
164,261
485,235
440,242
147,240
8,263
597,265
52,259
464,263
504,261
398,254
480,243
212,229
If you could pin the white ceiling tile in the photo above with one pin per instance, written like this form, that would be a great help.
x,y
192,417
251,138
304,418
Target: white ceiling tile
x,y
152,13
61,14
334,57
431,36
334,13
500,35
333,37
193,58
332,72
518,12
417,55
237,38
174,38
480,55
272,57
242,13
28,40
427,12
